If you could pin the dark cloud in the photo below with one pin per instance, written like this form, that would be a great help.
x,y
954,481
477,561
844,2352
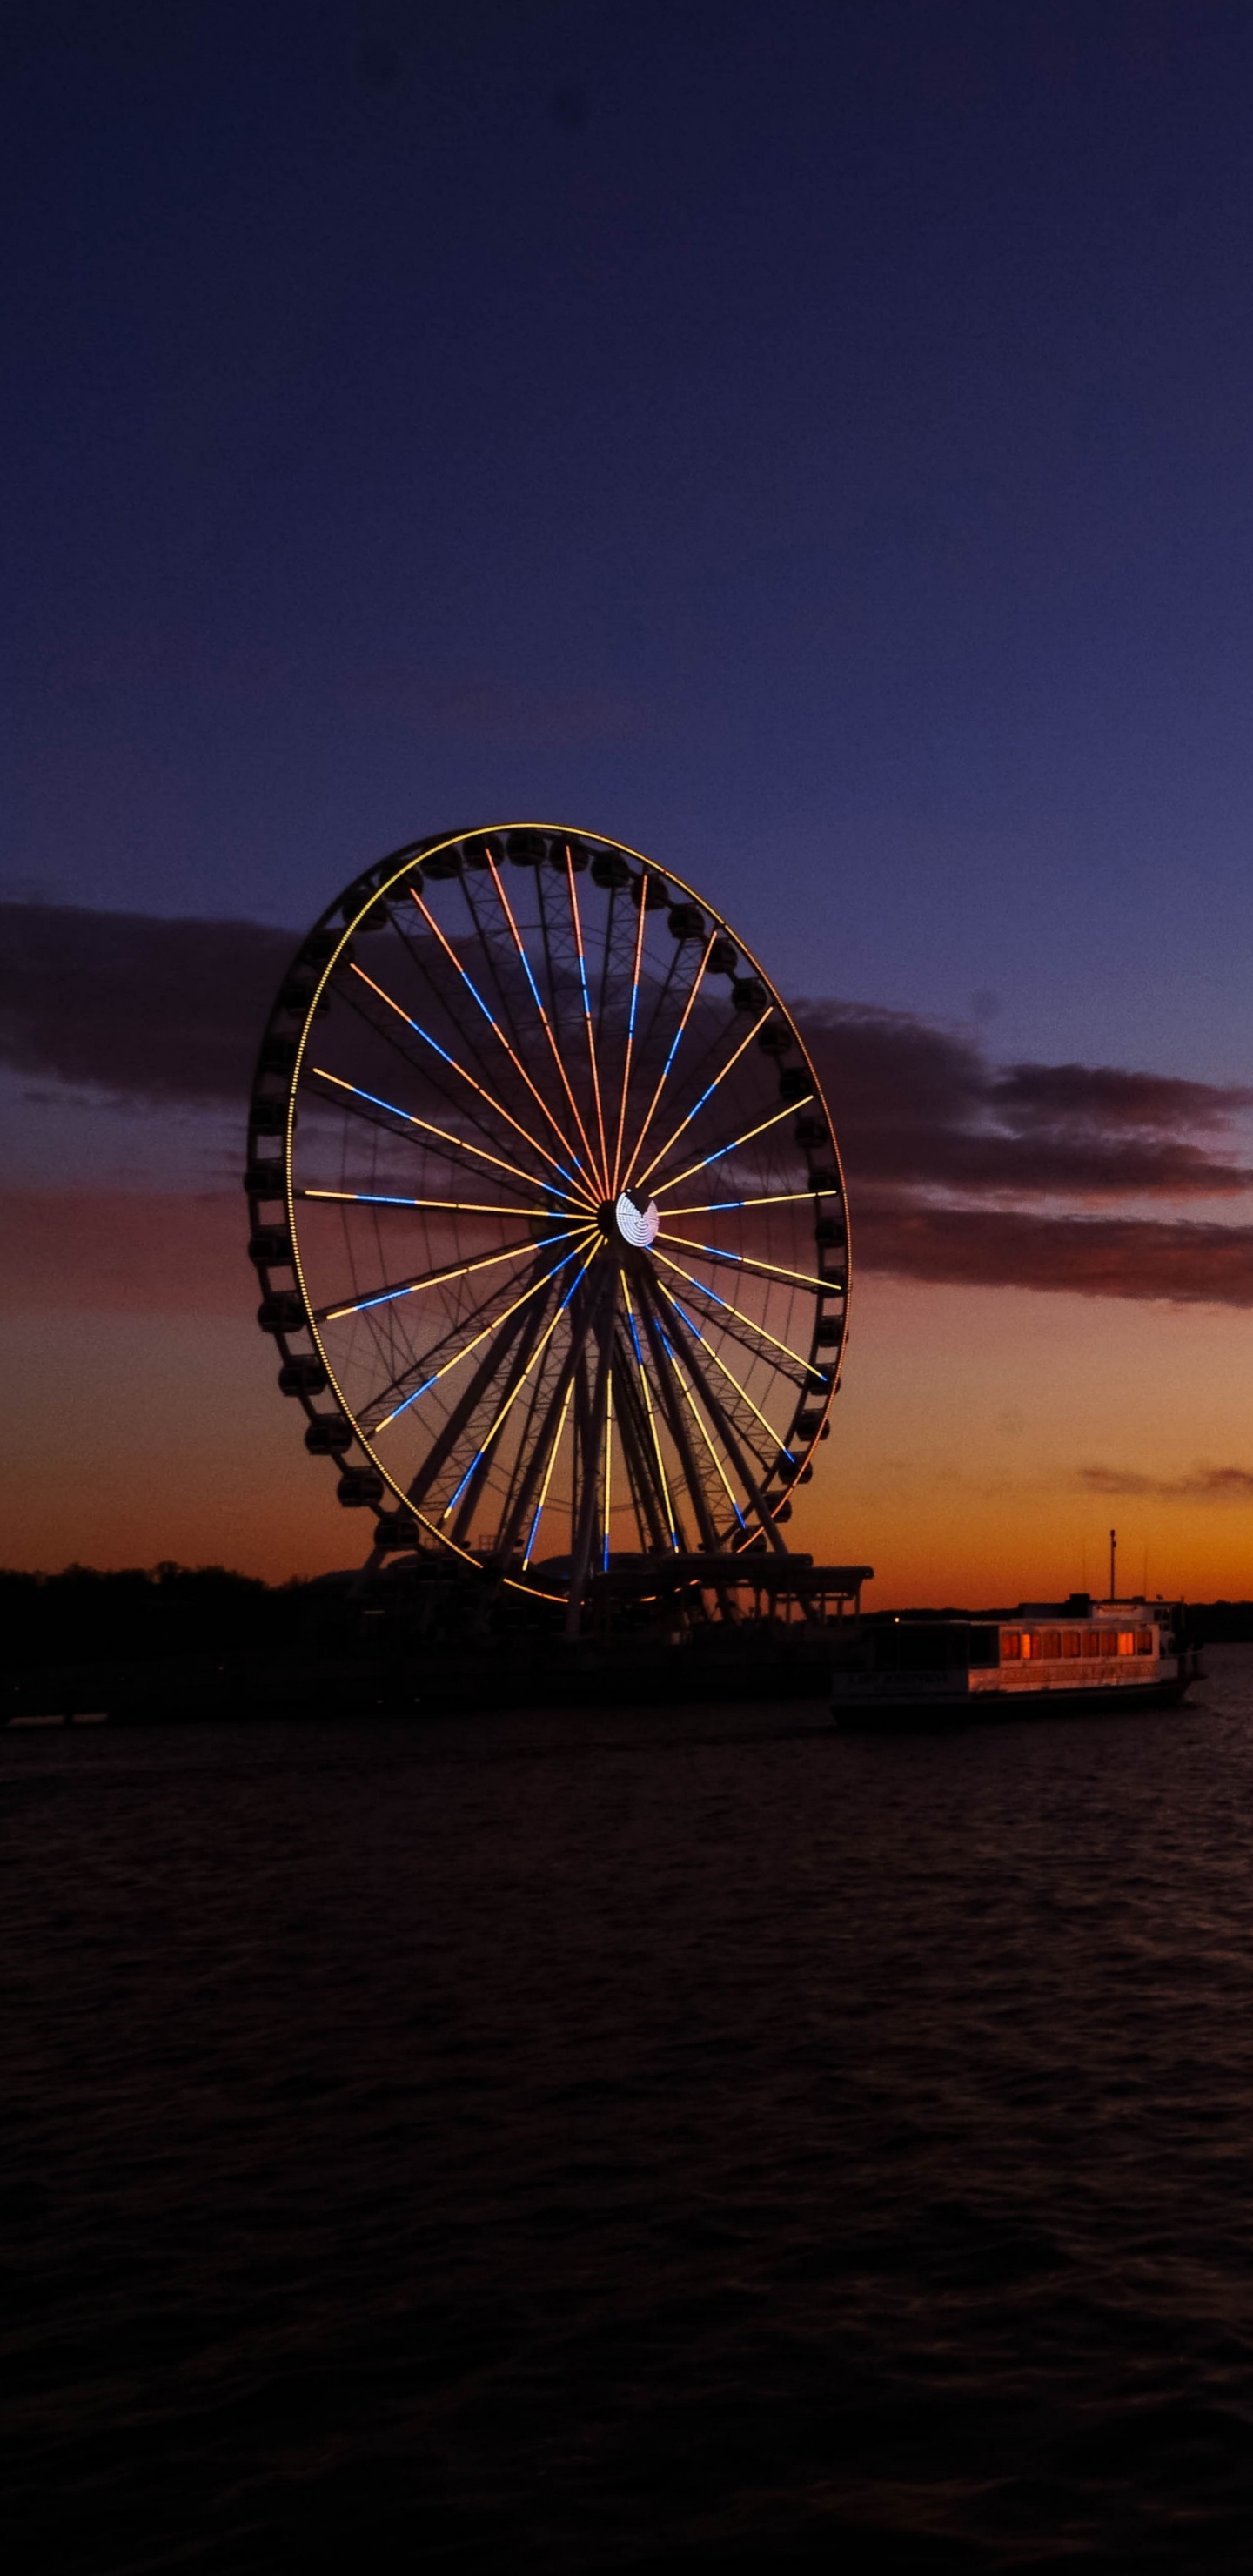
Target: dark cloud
x,y
957,1166
1204,1485
142,1008
1188,1263
923,1106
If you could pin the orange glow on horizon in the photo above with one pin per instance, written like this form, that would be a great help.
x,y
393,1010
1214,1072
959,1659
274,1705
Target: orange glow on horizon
x,y
981,1446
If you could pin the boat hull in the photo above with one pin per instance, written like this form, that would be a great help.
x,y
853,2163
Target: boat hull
x,y
918,1710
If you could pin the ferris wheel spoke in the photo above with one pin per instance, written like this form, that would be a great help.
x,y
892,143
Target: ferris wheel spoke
x,y
721,1366
367,1101
674,1049
485,1309
388,1198
439,1278
632,1007
789,1110
739,1447
707,1094
488,949
497,1106
593,1462
545,1023
661,995
633,1440
671,1517
445,1441
429,1074
511,1052
524,1456
605,963
751,1261
463,1503
806,1366
464,1353
669,1391
640,1428
699,1420
577,926
518,1504
414,948
511,1398
533,1532
761,1198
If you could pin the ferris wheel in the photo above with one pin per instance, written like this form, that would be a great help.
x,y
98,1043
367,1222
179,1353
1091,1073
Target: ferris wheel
x,y
547,1212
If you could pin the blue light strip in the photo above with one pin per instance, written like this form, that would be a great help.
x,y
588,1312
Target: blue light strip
x,y
390,1295
445,1371
464,1482
693,1327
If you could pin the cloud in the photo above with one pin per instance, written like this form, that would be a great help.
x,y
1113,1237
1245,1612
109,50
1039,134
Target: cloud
x,y
1185,1262
140,1007
959,1168
920,1105
1204,1485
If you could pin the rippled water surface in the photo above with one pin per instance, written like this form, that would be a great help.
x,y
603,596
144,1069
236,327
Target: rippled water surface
x,y
619,2140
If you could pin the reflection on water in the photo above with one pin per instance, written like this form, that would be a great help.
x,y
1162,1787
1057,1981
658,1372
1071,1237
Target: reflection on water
x,y
614,2141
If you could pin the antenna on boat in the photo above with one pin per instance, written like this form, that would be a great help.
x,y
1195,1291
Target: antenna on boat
x,y
1113,1562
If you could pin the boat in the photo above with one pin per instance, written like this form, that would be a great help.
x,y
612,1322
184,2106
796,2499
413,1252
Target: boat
x,y
1043,1659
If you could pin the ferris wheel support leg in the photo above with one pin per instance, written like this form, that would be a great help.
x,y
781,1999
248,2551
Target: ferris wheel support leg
x,y
675,1418
519,1362
590,1493
641,1467
736,1446
513,1520
446,1440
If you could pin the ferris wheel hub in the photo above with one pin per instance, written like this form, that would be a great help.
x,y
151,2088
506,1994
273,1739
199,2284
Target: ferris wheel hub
x,y
635,1218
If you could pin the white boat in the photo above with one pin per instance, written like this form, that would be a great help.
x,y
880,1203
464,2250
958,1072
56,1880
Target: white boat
x,y
1046,1658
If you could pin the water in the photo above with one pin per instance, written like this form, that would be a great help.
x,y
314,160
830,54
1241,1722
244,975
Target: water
x,y
632,2140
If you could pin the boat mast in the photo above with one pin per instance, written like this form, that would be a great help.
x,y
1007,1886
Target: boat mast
x,y
1113,1561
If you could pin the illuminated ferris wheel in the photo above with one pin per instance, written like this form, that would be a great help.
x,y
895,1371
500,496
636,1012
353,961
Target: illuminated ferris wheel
x,y
548,1212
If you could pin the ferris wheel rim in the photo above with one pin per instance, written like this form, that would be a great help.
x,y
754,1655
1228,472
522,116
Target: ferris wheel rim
x,y
343,918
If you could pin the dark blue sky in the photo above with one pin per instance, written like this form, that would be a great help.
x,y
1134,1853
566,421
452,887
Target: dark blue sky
x,y
812,442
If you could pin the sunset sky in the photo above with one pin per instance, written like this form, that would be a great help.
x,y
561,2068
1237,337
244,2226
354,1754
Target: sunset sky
x,y
813,444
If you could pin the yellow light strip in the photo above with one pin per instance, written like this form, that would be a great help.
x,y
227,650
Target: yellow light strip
x,y
728,1374
789,1110
728,1309
604,1553
587,1015
436,1279
511,1399
728,1067
445,1134
518,1066
507,909
452,1207
698,1419
497,1105
492,1327
671,1515
548,1472
767,1198
749,1261
630,1037
674,1046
